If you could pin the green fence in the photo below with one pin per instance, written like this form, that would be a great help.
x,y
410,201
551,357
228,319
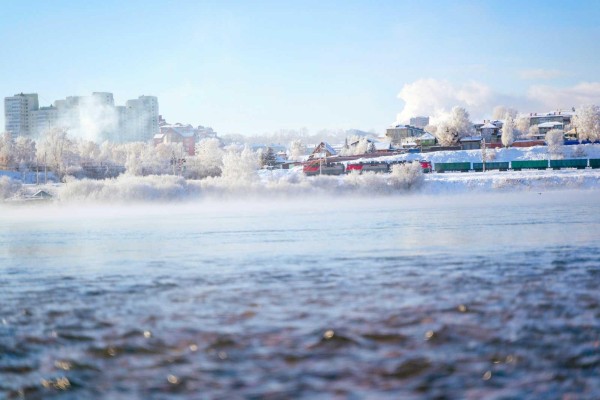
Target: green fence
x,y
498,165
529,164
452,166
558,164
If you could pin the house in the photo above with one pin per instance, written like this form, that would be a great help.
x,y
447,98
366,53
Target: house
x,y
471,142
322,150
426,140
399,134
563,117
178,133
489,130
40,195
545,127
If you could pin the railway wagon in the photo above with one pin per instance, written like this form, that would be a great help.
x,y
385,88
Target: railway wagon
x,y
492,165
529,164
594,162
376,167
325,169
574,163
452,166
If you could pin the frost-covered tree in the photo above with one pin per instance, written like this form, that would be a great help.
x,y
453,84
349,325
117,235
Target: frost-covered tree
x,y
371,148
56,151
267,157
406,176
522,126
587,122
240,167
500,112
297,150
508,131
208,160
453,128
6,150
89,151
8,187
361,147
533,130
555,141
24,151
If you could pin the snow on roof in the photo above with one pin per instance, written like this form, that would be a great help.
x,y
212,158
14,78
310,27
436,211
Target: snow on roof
x,y
159,136
382,145
489,125
426,136
549,124
327,146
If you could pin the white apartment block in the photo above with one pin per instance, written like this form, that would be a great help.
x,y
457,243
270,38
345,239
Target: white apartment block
x,y
19,114
419,122
94,116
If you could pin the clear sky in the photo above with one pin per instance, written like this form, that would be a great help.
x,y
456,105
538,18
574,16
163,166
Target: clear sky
x,y
253,66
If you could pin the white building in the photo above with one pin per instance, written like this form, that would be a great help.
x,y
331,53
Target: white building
x,y
419,122
93,117
18,114
142,118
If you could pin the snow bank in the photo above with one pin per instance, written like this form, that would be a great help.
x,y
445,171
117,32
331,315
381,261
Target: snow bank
x,y
241,180
128,188
9,187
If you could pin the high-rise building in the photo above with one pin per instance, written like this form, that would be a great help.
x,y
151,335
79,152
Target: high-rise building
x,y
142,118
44,119
419,122
18,113
93,117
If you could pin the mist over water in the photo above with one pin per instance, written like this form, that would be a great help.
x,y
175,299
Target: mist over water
x,y
458,296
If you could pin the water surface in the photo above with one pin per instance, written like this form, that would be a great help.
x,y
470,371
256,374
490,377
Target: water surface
x,y
473,296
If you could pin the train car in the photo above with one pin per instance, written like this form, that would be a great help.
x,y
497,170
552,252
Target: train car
x,y
492,165
529,164
426,165
569,163
375,166
318,168
452,167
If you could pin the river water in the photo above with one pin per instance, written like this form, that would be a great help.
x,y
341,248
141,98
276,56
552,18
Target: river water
x,y
461,296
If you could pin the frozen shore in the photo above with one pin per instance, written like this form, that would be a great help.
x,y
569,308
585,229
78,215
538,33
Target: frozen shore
x,y
293,183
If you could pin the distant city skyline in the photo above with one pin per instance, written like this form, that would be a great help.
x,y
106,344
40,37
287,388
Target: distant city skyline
x,y
258,67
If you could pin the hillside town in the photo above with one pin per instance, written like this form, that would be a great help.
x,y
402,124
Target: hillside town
x,y
91,137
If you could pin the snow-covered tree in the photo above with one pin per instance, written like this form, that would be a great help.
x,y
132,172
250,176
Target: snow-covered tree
x,y
522,126
500,112
456,126
267,157
89,151
555,142
372,148
56,150
240,167
587,122
6,150
208,160
297,150
406,176
24,151
508,128
533,130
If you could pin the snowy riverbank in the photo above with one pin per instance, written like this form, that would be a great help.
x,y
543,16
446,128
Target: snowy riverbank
x,y
293,183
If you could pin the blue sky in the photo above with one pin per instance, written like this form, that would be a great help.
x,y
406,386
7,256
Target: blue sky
x,y
255,67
